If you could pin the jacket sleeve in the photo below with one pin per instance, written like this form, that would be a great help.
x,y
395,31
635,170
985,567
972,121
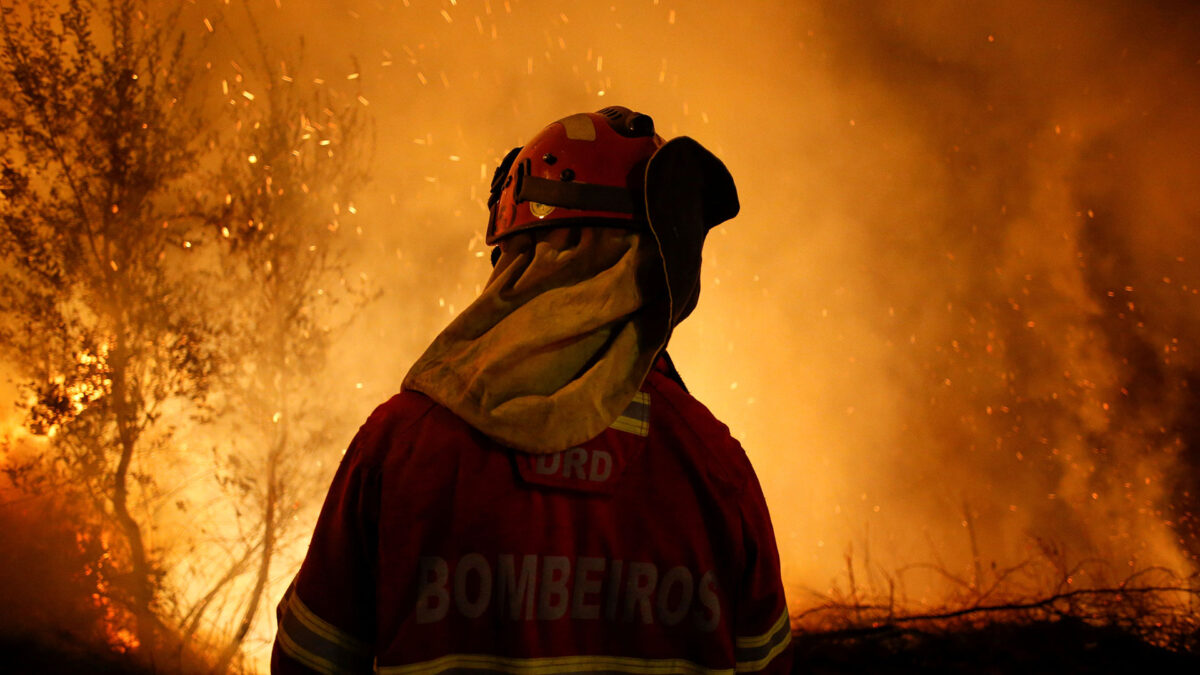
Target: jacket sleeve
x,y
327,616
762,629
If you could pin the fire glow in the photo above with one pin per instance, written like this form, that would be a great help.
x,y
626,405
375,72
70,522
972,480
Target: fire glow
x,y
955,325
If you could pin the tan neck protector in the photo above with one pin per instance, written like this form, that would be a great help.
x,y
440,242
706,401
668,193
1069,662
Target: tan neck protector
x,y
556,345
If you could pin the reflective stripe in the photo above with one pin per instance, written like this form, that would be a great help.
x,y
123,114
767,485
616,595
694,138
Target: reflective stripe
x,y
579,127
318,644
298,653
484,663
323,628
755,652
636,417
760,640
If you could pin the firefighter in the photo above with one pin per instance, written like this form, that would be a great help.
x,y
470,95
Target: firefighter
x,y
544,495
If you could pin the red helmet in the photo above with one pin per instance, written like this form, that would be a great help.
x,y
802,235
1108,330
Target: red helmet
x,y
578,170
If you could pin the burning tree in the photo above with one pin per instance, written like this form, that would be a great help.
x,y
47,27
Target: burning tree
x,y
103,322
167,267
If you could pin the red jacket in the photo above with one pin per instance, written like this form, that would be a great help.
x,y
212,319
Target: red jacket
x,y
646,550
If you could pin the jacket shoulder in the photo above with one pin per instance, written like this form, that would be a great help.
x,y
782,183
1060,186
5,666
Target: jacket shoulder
x,y
706,440
397,414
401,410
391,419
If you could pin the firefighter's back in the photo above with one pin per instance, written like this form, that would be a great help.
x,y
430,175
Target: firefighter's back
x,y
625,554
627,550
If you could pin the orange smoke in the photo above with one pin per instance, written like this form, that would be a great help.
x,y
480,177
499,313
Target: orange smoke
x,y
956,325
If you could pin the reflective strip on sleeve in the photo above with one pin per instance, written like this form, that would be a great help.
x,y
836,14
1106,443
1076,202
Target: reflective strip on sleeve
x,y
482,663
636,418
755,652
318,644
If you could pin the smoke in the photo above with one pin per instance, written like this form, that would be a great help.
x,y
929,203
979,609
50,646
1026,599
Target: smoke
x,y
1022,239
956,320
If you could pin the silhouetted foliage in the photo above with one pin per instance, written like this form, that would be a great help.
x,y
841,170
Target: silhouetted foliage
x,y
293,160
164,264
101,317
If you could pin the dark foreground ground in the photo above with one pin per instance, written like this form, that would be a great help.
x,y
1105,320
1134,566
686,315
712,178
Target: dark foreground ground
x,y
55,656
1063,647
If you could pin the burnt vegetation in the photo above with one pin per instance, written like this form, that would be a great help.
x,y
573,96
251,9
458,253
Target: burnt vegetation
x,y
170,269
1044,615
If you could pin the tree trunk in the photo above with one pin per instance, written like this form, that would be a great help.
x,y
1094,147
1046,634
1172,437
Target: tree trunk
x,y
141,585
268,549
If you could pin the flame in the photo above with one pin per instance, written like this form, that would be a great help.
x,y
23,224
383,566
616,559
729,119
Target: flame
x,y
88,384
954,325
116,621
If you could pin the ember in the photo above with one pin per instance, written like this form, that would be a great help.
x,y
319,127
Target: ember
x,y
956,326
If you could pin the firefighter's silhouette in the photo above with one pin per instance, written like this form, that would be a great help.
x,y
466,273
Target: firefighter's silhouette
x,y
544,495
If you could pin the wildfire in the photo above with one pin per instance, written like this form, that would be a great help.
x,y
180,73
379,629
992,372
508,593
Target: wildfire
x,y
954,327
116,621
69,395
